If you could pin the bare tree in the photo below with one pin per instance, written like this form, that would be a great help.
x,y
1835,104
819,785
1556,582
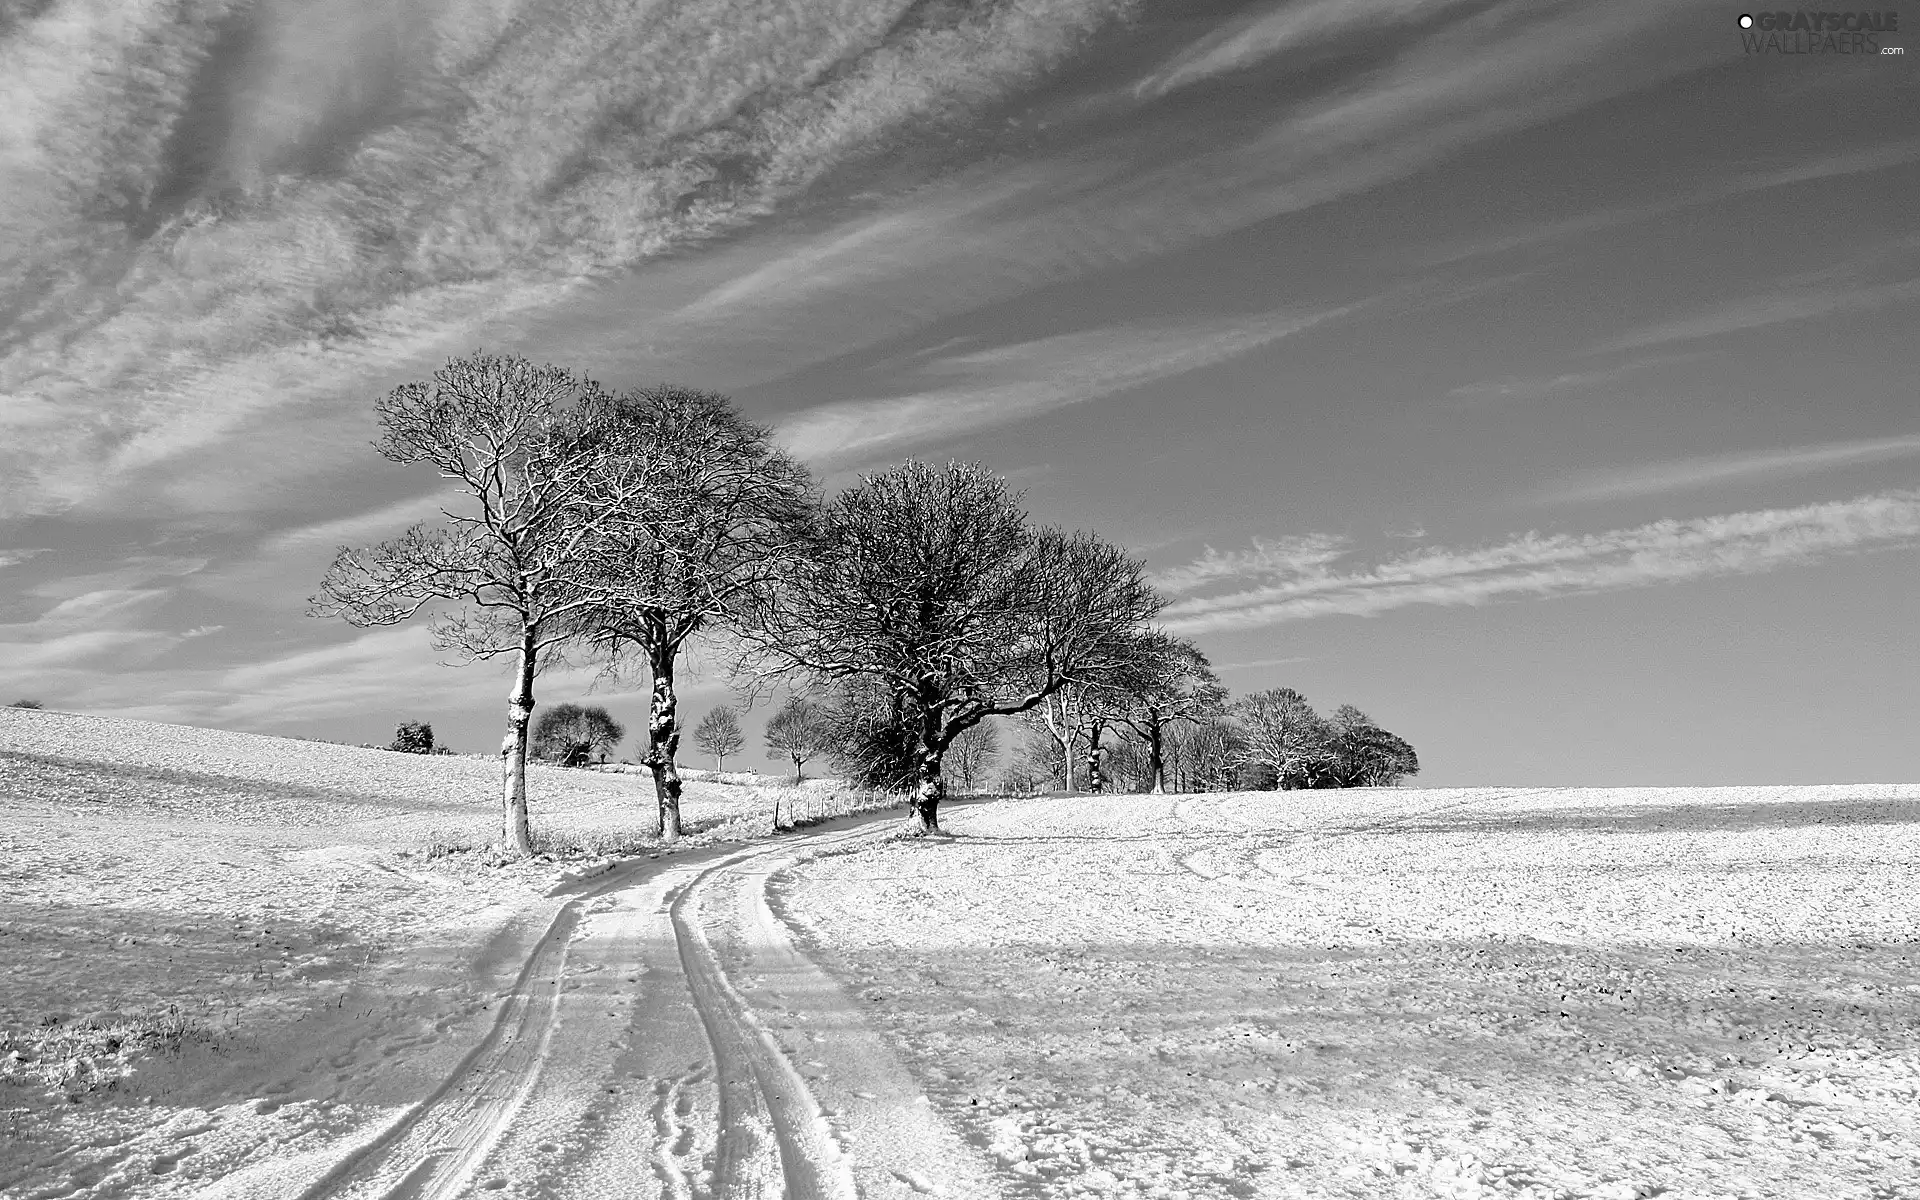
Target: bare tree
x,y
1203,754
1125,763
1283,732
1059,719
501,578
719,734
1100,709
694,510
931,582
973,749
873,735
1365,755
1172,683
799,731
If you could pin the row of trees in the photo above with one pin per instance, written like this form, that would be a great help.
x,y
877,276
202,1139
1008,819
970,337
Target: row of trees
x,y
919,603
619,528
865,744
1188,738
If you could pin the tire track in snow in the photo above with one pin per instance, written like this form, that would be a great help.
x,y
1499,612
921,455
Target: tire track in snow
x,y
902,1147
440,1143
774,1137
746,1115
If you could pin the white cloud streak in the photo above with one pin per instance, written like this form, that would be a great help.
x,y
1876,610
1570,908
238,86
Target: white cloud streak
x,y
1288,556
1527,389
1848,162
1024,380
1690,474
994,232
379,191
1780,307
208,215
1287,27
1540,565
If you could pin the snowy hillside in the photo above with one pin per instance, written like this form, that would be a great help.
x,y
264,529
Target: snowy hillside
x,y
1609,993
184,911
246,967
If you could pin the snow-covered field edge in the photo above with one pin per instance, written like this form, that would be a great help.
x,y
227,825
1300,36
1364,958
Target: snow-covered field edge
x,y
255,950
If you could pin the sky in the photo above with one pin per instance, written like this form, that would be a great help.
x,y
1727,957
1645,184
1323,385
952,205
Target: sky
x,y
1542,378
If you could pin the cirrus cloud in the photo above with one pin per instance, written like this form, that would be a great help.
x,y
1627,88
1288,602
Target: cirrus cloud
x,y
1540,565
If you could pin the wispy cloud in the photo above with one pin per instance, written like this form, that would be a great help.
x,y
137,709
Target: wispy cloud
x,y
1689,474
1252,664
1260,36
1285,557
1530,388
13,558
1538,565
199,228
1016,382
136,572
1780,307
1847,162
102,628
372,525
103,623
996,231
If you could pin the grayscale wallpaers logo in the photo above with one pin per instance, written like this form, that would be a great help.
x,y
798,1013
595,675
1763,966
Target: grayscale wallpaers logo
x,y
1803,32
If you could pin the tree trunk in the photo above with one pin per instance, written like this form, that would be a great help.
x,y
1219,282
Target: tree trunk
x,y
1096,782
796,771
1156,761
513,752
1061,731
927,795
932,786
663,743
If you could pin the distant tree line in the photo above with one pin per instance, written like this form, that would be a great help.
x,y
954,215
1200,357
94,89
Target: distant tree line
x,y
1121,741
906,615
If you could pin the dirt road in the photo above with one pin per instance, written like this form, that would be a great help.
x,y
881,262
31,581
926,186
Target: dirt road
x,y
667,1038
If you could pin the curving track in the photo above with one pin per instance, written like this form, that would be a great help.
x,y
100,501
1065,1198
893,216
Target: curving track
x,y
668,1039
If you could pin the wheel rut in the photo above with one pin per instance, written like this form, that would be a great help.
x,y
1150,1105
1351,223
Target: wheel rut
x,y
626,985
774,1138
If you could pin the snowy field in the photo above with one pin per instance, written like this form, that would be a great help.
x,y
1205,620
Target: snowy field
x,y
185,912
246,968
1676,992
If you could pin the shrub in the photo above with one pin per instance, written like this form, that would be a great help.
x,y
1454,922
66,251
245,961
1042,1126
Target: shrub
x,y
412,737
26,704
572,734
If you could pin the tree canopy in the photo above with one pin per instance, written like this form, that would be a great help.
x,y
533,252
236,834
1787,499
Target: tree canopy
x,y
572,734
719,734
799,731
931,583
503,575
689,513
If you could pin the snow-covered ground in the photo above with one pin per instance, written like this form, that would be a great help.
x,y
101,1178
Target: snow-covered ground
x,y
245,967
1677,992
202,929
